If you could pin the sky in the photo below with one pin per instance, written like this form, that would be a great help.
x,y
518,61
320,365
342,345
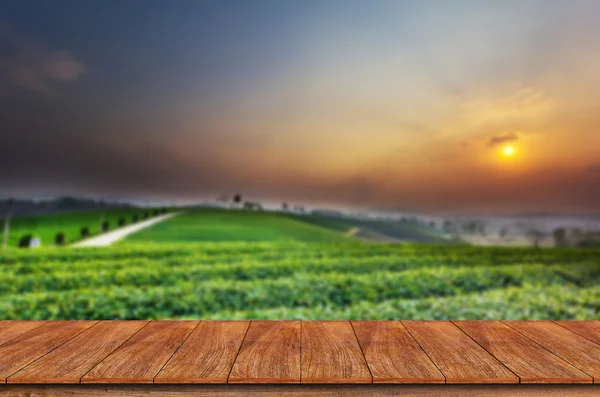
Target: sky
x,y
408,104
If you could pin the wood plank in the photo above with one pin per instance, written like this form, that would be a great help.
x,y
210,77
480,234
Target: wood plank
x,y
23,350
270,353
588,329
296,390
208,354
331,354
528,360
459,358
566,344
11,329
69,362
393,355
140,358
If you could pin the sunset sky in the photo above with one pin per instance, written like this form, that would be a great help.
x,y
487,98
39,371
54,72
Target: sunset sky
x,y
357,103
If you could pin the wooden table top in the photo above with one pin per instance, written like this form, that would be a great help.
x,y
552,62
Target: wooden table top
x,y
292,352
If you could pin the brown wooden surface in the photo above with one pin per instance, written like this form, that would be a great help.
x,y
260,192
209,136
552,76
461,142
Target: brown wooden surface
x,y
140,358
310,352
331,354
577,350
588,329
575,390
270,354
69,362
460,359
23,350
207,355
528,360
393,355
11,329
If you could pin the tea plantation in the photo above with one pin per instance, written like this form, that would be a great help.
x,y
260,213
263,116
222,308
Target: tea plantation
x,y
299,280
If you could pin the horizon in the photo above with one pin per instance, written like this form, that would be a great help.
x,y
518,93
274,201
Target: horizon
x,y
274,205
439,107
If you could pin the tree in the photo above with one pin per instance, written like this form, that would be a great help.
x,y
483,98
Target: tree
x,y
237,198
535,236
25,241
250,205
9,204
560,237
59,239
449,227
481,228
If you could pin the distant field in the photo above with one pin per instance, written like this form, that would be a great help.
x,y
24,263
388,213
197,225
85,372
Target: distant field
x,y
237,225
234,225
45,227
297,280
392,230
334,223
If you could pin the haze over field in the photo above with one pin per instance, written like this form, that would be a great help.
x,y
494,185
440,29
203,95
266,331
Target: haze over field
x,y
438,106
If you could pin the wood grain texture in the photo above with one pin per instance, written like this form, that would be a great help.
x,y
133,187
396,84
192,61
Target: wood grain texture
x,y
577,350
11,329
25,349
140,358
208,354
393,355
298,390
459,358
588,329
69,362
270,354
331,354
528,360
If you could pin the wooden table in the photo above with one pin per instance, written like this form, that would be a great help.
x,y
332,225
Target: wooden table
x,y
294,358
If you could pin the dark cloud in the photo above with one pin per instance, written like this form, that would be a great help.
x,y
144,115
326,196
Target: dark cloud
x,y
27,65
502,139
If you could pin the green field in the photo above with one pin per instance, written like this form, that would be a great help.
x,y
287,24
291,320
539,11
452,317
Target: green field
x,y
235,225
299,280
233,264
197,225
45,227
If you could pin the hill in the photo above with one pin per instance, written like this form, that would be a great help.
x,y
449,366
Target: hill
x,y
376,229
235,225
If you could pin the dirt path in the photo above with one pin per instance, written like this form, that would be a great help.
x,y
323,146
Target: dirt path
x,y
116,235
370,235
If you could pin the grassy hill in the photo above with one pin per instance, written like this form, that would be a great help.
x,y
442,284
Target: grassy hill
x,y
377,230
402,230
234,225
334,223
45,227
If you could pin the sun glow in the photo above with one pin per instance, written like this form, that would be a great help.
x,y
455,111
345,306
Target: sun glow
x,y
508,151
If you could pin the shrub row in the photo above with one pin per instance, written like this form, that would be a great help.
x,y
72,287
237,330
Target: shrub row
x,y
190,297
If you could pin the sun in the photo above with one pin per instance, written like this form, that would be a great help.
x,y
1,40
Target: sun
x,y
508,151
